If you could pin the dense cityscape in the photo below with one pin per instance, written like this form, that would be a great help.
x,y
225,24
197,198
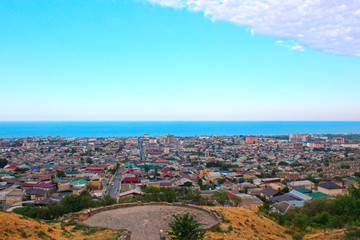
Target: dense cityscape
x,y
291,169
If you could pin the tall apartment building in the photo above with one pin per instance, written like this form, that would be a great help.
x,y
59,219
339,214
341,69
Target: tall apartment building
x,y
297,137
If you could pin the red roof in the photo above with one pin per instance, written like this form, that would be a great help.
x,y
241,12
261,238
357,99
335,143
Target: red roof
x,y
44,179
164,170
11,166
42,185
230,195
130,180
92,167
161,160
167,175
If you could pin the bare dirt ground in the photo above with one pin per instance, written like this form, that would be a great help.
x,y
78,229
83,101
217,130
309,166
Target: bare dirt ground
x,y
145,222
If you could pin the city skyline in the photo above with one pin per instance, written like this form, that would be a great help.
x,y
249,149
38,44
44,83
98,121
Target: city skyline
x,y
162,60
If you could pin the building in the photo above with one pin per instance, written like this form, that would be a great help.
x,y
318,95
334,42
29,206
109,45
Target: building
x,y
249,201
298,146
252,139
29,145
269,193
166,150
10,168
315,145
169,139
297,137
301,184
330,188
14,196
36,194
130,180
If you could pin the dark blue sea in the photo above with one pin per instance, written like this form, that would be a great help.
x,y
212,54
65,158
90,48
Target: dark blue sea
x,y
125,129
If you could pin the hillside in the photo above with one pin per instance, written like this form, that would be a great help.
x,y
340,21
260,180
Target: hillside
x,y
246,224
14,226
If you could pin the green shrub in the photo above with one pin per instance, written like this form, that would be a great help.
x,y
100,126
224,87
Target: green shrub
x,y
41,234
298,236
23,234
71,222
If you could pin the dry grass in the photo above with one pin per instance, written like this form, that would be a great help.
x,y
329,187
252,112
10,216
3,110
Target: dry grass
x,y
246,224
14,226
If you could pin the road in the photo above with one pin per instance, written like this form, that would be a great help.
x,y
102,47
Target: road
x,y
114,186
142,154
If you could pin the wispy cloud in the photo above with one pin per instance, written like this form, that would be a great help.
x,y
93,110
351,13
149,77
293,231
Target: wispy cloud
x,y
293,45
331,26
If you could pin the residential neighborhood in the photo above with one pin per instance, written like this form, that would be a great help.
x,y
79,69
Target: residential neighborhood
x,y
283,171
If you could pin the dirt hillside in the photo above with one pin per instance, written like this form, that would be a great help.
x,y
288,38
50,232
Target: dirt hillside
x,y
14,226
242,223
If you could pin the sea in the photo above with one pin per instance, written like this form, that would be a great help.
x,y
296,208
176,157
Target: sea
x,y
177,128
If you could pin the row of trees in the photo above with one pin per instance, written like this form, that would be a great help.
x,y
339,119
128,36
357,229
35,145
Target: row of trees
x,y
71,203
155,194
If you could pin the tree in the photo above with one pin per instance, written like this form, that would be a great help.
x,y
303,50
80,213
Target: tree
x,y
89,160
21,169
151,194
185,228
60,173
220,197
168,195
3,162
127,199
221,180
107,200
301,221
236,200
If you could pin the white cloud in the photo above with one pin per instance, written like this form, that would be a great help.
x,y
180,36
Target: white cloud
x,y
293,45
331,26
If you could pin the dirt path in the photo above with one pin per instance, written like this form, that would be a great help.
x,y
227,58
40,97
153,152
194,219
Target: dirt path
x,y
145,222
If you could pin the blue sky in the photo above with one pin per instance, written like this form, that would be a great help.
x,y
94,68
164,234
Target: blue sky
x,y
140,60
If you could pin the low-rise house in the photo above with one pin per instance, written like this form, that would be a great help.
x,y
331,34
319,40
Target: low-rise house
x,y
299,195
269,193
283,207
277,185
330,188
284,198
36,194
130,180
304,190
45,186
14,196
318,195
254,191
244,186
131,193
214,175
10,168
72,174
249,201
301,184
